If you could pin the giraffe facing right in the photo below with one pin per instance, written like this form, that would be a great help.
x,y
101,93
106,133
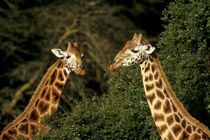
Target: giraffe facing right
x,y
47,95
170,117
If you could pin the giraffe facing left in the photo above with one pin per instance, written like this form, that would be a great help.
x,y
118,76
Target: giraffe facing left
x,y
47,95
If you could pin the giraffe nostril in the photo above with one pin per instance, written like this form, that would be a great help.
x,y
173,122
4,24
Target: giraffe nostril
x,y
82,67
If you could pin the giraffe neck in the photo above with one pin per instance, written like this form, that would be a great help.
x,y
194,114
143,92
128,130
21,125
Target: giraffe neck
x,y
43,102
169,115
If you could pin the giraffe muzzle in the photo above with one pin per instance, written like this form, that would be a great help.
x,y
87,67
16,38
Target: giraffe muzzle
x,y
80,72
114,67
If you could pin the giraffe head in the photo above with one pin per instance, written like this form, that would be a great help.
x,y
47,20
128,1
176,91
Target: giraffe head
x,y
72,58
134,52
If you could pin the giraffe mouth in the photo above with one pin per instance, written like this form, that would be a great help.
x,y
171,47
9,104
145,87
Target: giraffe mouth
x,y
114,67
80,72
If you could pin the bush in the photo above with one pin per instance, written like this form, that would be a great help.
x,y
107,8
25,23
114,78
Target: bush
x,y
123,113
185,54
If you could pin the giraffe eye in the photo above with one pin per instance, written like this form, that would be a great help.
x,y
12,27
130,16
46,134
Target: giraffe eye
x,y
68,57
134,51
82,56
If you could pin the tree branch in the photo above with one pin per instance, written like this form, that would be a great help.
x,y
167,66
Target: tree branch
x,y
20,92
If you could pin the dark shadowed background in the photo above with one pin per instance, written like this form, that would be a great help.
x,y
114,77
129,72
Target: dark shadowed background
x,y
101,104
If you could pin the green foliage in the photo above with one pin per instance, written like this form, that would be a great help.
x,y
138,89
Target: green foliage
x,y
30,29
28,34
115,108
185,54
121,114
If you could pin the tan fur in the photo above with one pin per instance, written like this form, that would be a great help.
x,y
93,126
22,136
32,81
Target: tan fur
x,y
129,45
75,50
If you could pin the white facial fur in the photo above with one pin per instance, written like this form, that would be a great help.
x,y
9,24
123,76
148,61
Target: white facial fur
x,y
134,52
70,59
137,55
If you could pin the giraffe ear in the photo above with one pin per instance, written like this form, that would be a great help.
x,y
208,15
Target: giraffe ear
x,y
75,44
149,49
69,48
135,36
139,38
59,53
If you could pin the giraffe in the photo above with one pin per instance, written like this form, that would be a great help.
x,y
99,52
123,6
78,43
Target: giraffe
x,y
47,95
170,117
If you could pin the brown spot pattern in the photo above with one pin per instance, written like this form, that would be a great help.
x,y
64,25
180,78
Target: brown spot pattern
x,y
177,119
205,136
151,59
60,76
24,128
180,115
33,128
55,96
17,125
189,129
199,131
159,84
150,77
24,120
47,97
153,68
46,82
43,107
167,107
6,137
43,92
158,117
12,132
53,77
170,136
149,87
183,123
65,73
37,101
60,65
146,78
157,105
176,129
59,85
156,76
184,136
162,129
194,128
196,137
160,94
34,116
170,120
147,68
151,98
173,106
165,92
